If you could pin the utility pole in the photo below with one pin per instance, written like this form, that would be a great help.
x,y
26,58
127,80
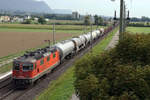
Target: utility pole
x,y
124,19
84,29
121,19
91,35
128,17
49,42
115,15
53,33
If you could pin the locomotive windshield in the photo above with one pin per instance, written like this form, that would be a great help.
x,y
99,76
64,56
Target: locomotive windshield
x,y
16,66
27,67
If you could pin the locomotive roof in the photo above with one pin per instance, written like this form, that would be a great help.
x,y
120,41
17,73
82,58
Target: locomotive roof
x,y
35,55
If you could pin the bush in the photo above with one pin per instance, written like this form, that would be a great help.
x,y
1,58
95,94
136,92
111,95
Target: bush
x,y
134,49
27,21
122,73
41,20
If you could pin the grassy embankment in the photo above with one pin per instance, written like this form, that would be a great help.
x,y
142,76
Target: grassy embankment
x,y
66,22
63,88
145,30
41,28
70,29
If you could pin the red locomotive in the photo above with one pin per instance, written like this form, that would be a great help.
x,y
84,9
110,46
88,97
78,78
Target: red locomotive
x,y
33,65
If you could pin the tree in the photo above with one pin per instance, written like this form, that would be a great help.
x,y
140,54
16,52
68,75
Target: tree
x,y
144,19
41,20
96,19
121,73
87,20
27,21
100,21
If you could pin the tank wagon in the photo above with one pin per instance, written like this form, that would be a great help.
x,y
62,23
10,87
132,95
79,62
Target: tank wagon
x,y
33,65
66,49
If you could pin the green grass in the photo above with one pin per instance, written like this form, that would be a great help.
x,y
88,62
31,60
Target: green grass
x,y
73,29
42,27
59,22
39,30
145,30
65,22
60,89
5,68
63,88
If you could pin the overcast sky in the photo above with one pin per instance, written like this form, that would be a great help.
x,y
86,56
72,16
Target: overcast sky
x,y
137,8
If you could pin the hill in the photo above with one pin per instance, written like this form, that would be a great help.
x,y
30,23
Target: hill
x,y
25,6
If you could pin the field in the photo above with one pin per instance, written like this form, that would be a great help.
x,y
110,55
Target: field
x,y
145,30
65,22
44,27
13,42
15,38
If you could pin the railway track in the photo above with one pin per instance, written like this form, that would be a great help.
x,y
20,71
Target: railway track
x,y
5,88
5,82
8,92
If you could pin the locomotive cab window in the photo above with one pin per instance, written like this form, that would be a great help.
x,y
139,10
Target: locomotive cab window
x,y
27,67
16,66
54,55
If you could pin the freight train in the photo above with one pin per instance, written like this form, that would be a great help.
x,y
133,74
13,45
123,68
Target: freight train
x,y
33,65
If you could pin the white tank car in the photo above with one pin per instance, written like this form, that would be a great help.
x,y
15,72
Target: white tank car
x,y
89,37
86,38
65,48
102,30
78,43
83,39
94,35
97,33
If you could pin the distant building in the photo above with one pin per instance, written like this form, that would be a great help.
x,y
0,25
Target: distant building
x,y
46,19
36,19
75,15
17,19
92,19
4,19
27,17
20,20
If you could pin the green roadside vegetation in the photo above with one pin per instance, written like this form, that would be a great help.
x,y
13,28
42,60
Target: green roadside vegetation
x,y
65,22
6,68
40,30
63,87
43,27
139,24
138,30
121,73
51,21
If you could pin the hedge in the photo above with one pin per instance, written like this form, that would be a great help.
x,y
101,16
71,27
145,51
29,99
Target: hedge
x,y
122,73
